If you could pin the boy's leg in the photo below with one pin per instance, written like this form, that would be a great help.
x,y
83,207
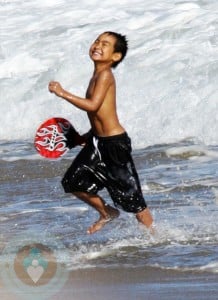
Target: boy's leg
x,y
107,213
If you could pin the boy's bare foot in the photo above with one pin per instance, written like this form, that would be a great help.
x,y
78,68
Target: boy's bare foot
x,y
112,213
145,218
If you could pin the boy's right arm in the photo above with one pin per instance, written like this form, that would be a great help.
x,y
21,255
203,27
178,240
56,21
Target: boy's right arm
x,y
91,104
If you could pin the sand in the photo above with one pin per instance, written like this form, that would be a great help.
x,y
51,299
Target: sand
x,y
128,283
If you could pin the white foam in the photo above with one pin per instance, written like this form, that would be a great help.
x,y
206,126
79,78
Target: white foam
x,y
166,87
70,209
211,268
19,65
200,152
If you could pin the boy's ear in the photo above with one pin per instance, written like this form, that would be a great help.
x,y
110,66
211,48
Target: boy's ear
x,y
117,56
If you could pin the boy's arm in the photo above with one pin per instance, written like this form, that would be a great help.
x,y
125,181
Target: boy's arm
x,y
91,104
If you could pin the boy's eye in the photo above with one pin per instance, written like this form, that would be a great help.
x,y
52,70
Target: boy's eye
x,y
101,43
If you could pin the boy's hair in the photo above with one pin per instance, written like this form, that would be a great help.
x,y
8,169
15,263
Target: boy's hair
x,y
121,45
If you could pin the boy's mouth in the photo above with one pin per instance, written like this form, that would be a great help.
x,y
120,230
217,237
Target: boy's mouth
x,y
96,53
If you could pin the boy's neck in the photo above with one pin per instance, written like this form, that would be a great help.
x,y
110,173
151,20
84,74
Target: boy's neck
x,y
99,67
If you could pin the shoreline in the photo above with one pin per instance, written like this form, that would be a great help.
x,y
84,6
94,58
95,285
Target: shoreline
x,y
138,283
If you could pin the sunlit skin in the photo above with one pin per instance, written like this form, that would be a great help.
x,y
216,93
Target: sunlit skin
x,y
100,101
100,105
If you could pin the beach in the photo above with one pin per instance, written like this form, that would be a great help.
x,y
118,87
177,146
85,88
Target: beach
x,y
167,102
123,260
141,283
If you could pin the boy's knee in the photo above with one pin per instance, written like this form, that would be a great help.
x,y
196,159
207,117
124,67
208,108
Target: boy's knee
x,y
78,194
82,195
66,185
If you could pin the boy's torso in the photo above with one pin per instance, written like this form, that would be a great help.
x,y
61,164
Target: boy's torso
x,y
104,121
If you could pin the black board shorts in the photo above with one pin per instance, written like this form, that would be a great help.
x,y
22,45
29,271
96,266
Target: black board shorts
x,y
106,162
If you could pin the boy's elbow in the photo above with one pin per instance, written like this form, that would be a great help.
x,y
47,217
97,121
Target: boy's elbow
x,y
93,108
93,105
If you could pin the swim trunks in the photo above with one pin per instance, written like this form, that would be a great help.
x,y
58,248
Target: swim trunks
x,y
106,162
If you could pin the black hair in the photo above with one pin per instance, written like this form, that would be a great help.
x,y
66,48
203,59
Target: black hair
x,y
121,45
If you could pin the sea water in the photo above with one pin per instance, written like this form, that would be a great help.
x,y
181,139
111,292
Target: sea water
x,y
167,99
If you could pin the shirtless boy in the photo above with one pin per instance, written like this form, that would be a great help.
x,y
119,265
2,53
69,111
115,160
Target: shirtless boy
x,y
105,161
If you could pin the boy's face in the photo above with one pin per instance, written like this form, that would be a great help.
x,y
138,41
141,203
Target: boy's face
x,y
102,49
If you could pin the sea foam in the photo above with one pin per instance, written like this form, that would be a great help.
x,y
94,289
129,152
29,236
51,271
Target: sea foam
x,y
166,86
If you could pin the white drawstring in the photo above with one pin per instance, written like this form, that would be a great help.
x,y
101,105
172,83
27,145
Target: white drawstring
x,y
95,143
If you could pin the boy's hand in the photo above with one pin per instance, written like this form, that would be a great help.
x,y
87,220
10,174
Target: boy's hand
x,y
55,87
74,138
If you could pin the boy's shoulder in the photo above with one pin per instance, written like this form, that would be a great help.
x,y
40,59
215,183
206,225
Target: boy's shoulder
x,y
106,74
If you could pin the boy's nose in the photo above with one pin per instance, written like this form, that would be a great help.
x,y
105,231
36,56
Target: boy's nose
x,y
97,46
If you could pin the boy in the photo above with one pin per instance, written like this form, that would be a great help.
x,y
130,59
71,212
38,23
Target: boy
x,y
105,160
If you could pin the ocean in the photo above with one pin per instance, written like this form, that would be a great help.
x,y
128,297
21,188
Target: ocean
x,y
167,99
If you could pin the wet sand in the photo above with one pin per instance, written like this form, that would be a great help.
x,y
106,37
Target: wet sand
x,y
140,283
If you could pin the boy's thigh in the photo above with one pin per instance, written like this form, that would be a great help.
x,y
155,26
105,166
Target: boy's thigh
x,y
81,175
